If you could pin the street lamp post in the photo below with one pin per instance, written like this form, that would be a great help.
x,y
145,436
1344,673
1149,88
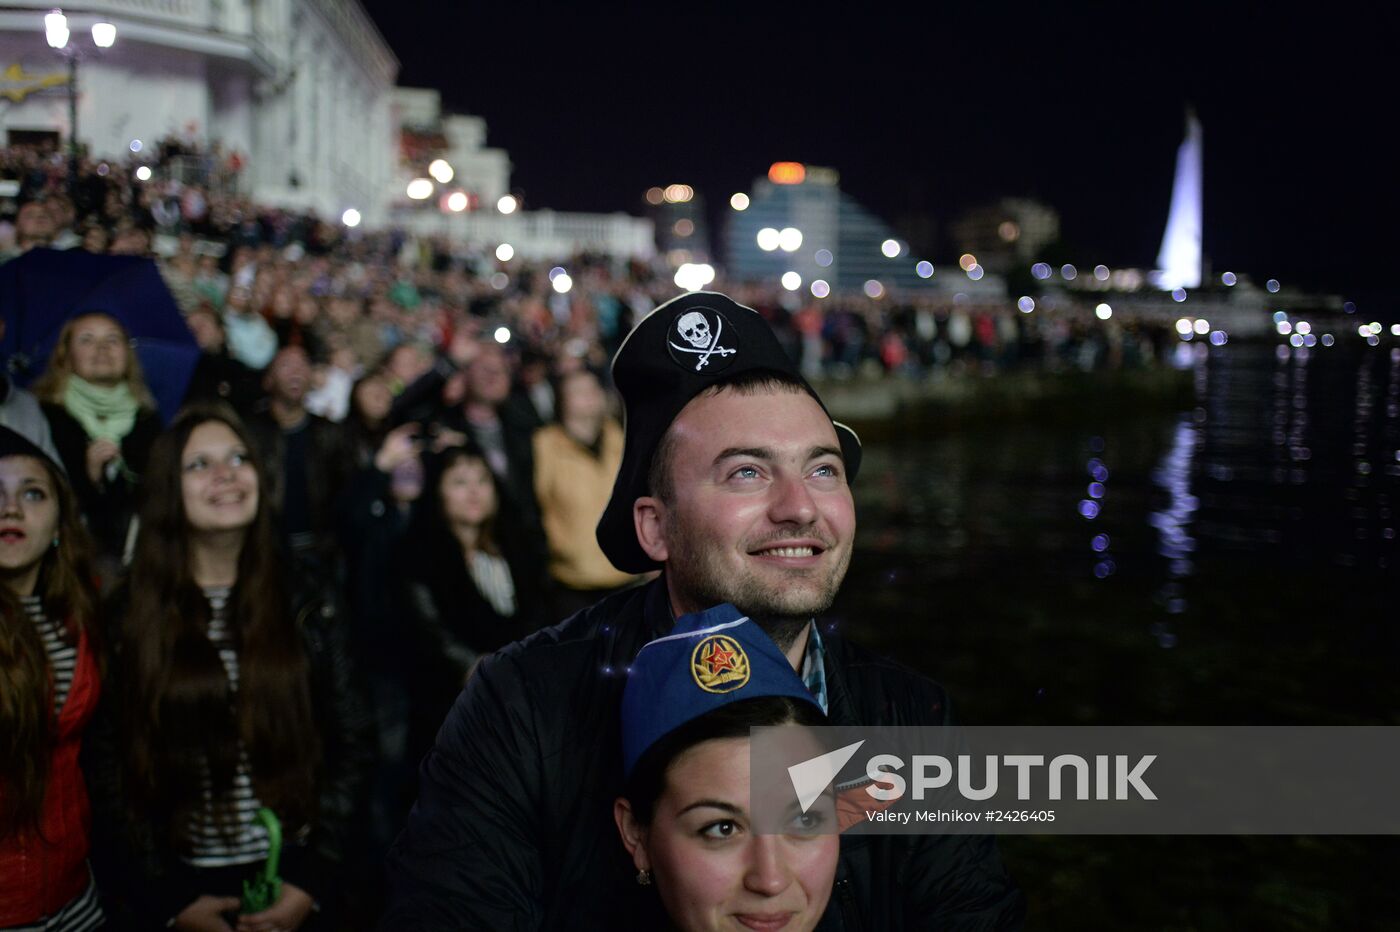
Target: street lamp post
x,y
104,36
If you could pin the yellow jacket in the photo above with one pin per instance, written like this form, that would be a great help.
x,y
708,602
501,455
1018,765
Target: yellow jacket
x,y
573,486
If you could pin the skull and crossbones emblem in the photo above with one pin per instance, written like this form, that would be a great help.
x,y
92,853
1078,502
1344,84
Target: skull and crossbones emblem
x,y
694,328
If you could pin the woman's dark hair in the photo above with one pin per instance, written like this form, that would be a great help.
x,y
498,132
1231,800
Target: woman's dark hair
x,y
27,720
648,780
178,714
431,528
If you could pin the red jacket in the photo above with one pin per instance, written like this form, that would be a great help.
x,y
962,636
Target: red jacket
x,y
41,872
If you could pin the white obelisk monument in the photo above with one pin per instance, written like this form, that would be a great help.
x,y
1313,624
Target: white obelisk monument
x,y
1179,261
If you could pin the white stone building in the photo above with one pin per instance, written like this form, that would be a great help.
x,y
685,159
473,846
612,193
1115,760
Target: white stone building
x,y
302,88
466,207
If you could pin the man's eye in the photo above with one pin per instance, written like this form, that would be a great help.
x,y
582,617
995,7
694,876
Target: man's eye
x,y
725,828
827,470
746,472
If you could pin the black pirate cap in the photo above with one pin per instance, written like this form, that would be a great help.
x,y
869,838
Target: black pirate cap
x,y
690,343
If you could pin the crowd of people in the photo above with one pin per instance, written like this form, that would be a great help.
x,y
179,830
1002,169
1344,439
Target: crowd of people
x,y
390,463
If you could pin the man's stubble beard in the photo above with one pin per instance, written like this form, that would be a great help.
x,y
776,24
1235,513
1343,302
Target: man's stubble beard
x,y
700,578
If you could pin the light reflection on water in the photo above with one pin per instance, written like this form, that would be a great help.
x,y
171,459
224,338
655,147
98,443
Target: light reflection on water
x,y
1040,567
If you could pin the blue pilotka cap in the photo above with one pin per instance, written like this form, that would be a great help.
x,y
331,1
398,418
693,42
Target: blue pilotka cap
x,y
709,660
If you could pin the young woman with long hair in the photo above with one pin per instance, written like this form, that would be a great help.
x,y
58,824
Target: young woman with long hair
x,y
104,421
234,693
49,685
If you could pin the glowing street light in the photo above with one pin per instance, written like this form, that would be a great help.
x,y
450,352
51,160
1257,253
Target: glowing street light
x,y
57,35
457,201
739,201
56,29
792,281
143,173
420,189
790,239
505,252
351,217
562,283
768,239
507,204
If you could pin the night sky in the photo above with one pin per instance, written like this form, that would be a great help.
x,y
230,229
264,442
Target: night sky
x,y
928,112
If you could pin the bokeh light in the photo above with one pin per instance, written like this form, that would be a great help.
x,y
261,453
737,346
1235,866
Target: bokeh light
x,y
694,276
768,239
791,280
924,269
441,171
505,252
790,239
739,201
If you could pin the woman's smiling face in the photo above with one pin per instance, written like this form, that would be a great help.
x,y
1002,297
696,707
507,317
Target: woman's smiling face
x,y
218,481
712,870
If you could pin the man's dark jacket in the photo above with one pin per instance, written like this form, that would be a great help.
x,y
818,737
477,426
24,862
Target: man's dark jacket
x,y
513,828
329,465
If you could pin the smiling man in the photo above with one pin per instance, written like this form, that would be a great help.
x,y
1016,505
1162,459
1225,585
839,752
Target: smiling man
x,y
735,482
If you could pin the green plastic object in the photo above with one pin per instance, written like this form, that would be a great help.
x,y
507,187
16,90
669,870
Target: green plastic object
x,y
262,892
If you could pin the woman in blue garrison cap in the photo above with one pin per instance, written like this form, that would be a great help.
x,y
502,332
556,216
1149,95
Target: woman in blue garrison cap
x,y
686,818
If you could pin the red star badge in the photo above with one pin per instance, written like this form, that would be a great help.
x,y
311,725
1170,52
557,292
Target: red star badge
x,y
720,659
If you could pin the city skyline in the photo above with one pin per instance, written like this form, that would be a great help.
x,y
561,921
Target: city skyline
x,y
925,118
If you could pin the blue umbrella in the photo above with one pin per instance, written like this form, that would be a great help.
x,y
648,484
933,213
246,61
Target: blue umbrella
x,y
45,288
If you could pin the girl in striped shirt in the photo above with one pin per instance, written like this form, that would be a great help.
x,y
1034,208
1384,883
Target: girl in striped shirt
x,y
234,694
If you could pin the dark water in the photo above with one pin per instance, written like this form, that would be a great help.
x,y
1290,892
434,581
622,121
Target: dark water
x,y
1235,563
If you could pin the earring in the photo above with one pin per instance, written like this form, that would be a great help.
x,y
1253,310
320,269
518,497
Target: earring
x,y
644,878
55,542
